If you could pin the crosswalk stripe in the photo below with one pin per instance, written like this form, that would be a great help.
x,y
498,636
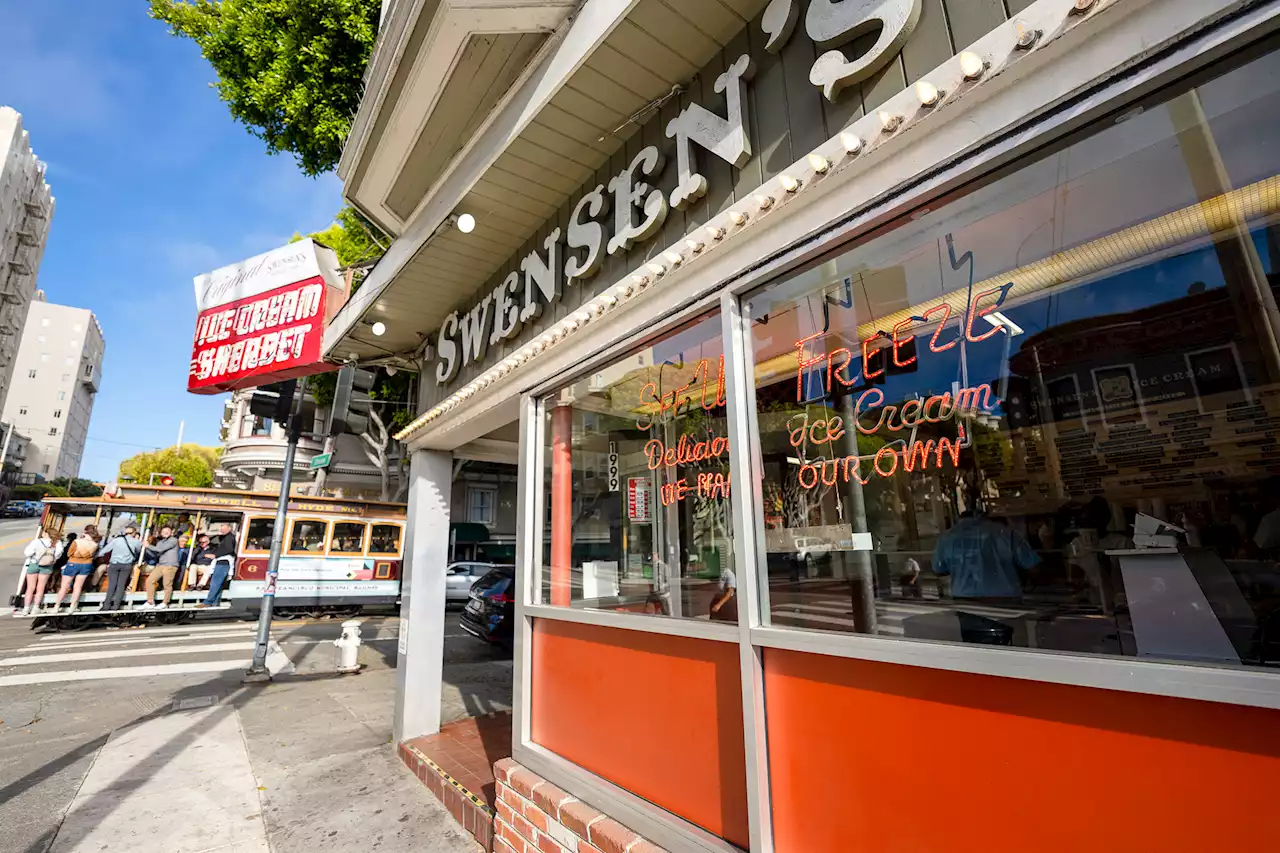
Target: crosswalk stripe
x,y
123,672
139,637
111,654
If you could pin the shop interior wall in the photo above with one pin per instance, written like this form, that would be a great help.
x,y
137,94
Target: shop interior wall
x,y
660,716
868,756
789,117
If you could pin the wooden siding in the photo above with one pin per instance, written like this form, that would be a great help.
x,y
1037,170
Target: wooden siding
x,y
788,118
486,69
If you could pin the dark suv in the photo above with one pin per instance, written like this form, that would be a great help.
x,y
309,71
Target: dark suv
x,y
491,612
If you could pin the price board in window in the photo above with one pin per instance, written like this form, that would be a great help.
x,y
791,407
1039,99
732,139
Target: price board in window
x,y
639,499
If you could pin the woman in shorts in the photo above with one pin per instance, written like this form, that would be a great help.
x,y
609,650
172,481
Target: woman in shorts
x,y
39,558
79,566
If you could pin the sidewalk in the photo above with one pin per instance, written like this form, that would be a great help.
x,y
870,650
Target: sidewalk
x,y
300,765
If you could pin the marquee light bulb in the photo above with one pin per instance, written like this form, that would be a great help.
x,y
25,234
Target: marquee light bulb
x,y
927,93
851,142
818,163
889,121
672,256
788,183
764,202
715,232
1027,35
466,223
655,268
693,245
972,65
738,217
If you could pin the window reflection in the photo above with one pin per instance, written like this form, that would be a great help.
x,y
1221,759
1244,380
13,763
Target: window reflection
x,y
637,465
1045,414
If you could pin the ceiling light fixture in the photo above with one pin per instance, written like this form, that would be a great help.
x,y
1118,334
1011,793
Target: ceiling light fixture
x,y
379,328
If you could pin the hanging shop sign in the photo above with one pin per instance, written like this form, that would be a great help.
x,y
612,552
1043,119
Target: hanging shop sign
x,y
615,217
262,320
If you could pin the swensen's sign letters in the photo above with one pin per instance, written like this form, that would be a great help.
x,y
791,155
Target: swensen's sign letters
x,y
628,210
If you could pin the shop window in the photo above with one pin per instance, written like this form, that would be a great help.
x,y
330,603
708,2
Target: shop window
x,y
348,538
655,538
384,539
258,536
1044,415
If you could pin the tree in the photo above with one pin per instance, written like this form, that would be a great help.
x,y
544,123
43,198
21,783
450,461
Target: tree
x,y
353,238
191,465
37,491
291,71
392,410
78,487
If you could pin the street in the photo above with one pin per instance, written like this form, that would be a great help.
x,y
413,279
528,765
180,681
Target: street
x,y
115,737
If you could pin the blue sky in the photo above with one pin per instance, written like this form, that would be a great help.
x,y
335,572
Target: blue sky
x,y
155,183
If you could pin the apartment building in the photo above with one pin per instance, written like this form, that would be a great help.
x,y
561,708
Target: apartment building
x,y
57,372
26,207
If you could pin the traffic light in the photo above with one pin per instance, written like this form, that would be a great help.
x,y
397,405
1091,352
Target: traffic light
x,y
274,401
351,401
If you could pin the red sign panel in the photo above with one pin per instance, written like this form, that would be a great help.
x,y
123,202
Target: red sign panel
x,y
263,320
269,335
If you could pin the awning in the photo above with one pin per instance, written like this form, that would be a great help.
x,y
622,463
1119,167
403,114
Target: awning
x,y
465,532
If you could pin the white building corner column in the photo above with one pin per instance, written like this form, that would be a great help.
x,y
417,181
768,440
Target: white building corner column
x,y
420,664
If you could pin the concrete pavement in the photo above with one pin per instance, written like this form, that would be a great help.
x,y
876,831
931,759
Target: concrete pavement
x,y
184,760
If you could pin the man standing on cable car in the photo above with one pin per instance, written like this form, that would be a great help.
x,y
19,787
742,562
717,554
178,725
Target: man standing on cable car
x,y
224,562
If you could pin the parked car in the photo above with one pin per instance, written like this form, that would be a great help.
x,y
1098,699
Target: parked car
x,y
15,509
460,577
36,508
491,612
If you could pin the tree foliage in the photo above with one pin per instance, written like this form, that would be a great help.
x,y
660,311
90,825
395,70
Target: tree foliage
x,y
78,487
352,237
291,71
37,491
191,465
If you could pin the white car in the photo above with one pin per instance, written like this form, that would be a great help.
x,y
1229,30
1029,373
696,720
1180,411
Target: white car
x,y
459,577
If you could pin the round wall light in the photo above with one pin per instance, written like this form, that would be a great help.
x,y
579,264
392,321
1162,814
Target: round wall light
x,y
466,223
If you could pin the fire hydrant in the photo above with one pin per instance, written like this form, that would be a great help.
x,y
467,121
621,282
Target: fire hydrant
x,y
349,646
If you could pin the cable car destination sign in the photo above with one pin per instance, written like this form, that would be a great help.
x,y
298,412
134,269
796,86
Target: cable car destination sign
x,y
614,218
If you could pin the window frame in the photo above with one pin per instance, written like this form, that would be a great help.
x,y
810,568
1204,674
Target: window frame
x,y
324,542
244,539
364,539
492,491
907,189
396,554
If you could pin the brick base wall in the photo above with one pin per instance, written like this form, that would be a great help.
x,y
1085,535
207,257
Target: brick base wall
x,y
535,816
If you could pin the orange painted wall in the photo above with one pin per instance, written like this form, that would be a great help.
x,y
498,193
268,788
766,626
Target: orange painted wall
x,y
894,759
659,716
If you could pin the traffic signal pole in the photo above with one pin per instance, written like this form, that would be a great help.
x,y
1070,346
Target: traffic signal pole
x,y
258,669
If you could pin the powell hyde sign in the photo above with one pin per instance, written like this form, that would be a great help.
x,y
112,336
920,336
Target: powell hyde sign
x,y
262,320
614,217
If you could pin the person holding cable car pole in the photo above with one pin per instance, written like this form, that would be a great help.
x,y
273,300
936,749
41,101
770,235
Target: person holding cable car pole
x,y
123,550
